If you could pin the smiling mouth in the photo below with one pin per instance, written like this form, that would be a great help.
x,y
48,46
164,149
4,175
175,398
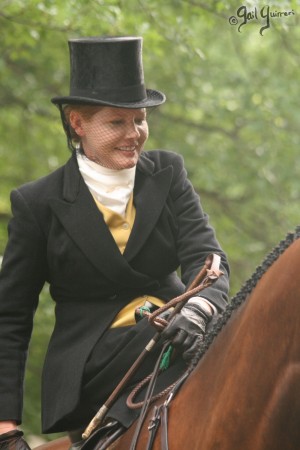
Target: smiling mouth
x,y
127,149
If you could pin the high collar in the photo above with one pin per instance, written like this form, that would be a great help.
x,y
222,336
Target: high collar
x,y
73,177
110,187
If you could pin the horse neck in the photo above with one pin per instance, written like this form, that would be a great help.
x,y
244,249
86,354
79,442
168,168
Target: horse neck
x,y
243,385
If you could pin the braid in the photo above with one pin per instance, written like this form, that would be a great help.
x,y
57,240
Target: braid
x,y
243,294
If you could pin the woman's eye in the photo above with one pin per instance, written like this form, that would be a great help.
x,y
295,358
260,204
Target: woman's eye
x,y
118,122
139,121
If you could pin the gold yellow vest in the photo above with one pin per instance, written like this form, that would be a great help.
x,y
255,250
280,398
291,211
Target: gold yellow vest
x,y
120,228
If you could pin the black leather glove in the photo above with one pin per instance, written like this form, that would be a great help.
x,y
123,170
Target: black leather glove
x,y
186,330
13,440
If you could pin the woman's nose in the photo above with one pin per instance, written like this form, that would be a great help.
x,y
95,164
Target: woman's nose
x,y
132,131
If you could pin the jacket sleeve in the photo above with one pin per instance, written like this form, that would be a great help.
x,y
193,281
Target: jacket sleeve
x,y
22,276
196,238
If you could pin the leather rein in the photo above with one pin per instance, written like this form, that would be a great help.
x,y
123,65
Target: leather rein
x,y
205,278
209,274
160,417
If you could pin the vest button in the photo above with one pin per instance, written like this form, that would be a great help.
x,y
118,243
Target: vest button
x,y
125,226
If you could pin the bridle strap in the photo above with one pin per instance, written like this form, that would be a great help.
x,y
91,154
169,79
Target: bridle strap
x,y
164,427
153,426
160,417
147,399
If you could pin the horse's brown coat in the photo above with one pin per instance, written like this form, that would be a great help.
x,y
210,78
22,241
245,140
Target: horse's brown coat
x,y
58,444
244,394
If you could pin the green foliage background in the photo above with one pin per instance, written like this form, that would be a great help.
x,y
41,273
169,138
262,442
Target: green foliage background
x,y
232,112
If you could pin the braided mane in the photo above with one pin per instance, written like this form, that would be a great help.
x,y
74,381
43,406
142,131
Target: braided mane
x,y
243,293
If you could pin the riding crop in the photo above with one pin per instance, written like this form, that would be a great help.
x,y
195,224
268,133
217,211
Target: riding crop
x,y
205,278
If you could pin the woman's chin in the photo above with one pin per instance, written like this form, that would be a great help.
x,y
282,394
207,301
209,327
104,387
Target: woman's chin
x,y
126,161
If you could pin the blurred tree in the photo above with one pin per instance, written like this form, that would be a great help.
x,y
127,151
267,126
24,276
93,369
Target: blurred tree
x,y
232,112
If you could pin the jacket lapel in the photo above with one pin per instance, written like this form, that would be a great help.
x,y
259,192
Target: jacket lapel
x,y
84,222
150,192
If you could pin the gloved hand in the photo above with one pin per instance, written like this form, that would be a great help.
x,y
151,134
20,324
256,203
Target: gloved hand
x,y
186,329
13,440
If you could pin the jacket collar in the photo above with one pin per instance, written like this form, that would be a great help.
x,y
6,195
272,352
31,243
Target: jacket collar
x,y
84,222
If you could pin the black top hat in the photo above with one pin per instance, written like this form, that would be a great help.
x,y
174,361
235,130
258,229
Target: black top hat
x,y
108,71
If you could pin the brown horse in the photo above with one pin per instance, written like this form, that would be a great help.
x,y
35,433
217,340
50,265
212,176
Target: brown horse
x,y
244,393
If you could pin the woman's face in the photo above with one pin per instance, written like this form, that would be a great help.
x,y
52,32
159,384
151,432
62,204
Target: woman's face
x,y
112,137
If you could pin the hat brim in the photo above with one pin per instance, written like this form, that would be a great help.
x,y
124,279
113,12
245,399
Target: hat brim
x,y
154,98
